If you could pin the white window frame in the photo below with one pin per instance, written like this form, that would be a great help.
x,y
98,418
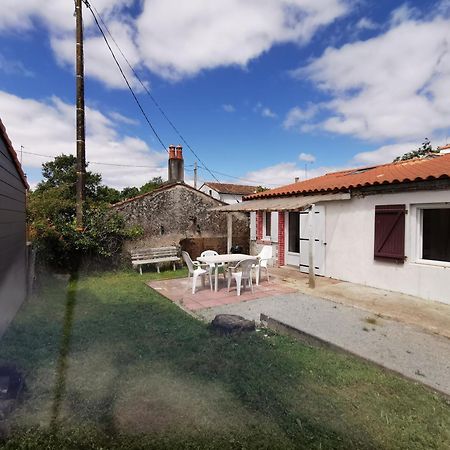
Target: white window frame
x,y
267,237
419,233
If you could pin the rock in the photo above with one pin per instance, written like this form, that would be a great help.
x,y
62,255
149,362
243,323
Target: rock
x,y
231,324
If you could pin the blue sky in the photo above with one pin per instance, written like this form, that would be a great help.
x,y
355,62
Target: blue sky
x,y
259,88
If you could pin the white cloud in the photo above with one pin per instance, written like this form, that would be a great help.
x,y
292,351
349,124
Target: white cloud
x,y
228,108
48,128
297,116
264,111
13,67
393,86
402,14
384,154
267,112
366,24
203,34
98,60
117,117
307,157
206,34
286,172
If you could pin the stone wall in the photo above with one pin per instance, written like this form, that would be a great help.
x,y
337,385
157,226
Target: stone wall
x,y
179,215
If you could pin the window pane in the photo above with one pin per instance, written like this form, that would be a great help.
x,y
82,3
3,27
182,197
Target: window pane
x,y
294,232
436,234
268,223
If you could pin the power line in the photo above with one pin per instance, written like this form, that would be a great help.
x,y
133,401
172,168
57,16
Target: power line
x,y
124,76
92,8
96,162
242,179
143,84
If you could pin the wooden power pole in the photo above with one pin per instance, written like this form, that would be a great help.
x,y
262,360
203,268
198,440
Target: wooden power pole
x,y
81,149
195,174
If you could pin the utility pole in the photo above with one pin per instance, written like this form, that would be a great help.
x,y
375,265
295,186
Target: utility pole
x,y
195,174
81,149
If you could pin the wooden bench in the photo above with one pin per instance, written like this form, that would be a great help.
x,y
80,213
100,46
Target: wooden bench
x,y
154,256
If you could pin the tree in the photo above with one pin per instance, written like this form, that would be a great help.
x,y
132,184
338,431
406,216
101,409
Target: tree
x,y
62,173
423,151
151,185
51,216
129,192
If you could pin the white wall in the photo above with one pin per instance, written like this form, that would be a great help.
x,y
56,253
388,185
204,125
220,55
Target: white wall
x,y
231,199
350,239
206,189
227,198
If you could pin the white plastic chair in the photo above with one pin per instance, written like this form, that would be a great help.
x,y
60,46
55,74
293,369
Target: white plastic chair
x,y
212,265
196,270
263,258
242,271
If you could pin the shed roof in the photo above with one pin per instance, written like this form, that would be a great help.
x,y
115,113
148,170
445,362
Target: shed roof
x,y
419,169
13,154
233,189
283,203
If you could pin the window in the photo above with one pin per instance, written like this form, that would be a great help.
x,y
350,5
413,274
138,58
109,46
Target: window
x,y
435,245
267,224
210,192
389,241
294,232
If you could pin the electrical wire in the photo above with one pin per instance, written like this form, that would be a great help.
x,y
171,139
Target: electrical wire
x,y
242,179
96,162
203,166
143,84
124,76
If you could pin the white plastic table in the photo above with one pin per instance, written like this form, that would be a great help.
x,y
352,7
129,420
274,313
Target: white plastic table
x,y
219,259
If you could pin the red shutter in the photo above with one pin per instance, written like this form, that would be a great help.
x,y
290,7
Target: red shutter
x,y
390,232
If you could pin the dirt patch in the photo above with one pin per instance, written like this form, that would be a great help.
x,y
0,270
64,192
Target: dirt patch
x,y
163,401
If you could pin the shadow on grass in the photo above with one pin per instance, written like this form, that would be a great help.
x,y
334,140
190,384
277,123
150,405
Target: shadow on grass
x,y
123,334
61,370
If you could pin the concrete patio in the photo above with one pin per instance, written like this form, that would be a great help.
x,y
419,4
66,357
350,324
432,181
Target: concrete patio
x,y
402,333
179,291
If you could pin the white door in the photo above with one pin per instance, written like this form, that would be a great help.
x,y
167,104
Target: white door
x,y
319,239
297,239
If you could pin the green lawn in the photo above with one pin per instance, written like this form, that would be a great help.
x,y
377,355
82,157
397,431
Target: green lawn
x,y
110,363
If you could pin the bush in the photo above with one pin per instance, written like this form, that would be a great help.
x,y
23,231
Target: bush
x,y
60,246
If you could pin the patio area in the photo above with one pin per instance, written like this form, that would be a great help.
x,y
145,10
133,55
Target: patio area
x,y
179,291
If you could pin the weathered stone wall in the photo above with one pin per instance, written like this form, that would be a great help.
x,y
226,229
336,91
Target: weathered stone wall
x,y
180,215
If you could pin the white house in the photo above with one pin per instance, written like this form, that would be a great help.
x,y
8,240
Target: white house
x,y
227,192
386,226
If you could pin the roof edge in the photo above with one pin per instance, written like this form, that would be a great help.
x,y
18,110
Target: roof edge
x,y
13,153
163,188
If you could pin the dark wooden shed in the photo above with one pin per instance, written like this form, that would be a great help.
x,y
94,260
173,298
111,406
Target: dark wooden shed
x,y
13,251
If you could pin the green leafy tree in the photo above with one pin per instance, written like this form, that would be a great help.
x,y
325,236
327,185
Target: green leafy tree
x,y
151,185
423,151
129,192
51,216
61,173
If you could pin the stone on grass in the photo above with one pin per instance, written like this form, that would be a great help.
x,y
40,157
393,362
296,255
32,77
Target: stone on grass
x,y
231,324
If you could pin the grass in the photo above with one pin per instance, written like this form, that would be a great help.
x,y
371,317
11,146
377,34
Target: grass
x,y
110,363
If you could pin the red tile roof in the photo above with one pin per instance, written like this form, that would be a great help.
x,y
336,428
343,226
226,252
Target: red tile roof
x,y
13,154
431,168
233,189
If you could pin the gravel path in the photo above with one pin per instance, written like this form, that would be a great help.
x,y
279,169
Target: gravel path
x,y
404,348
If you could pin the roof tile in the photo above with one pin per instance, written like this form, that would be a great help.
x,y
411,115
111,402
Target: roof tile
x,y
419,169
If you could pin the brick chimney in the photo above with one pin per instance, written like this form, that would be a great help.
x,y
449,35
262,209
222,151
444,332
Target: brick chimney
x,y
176,164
